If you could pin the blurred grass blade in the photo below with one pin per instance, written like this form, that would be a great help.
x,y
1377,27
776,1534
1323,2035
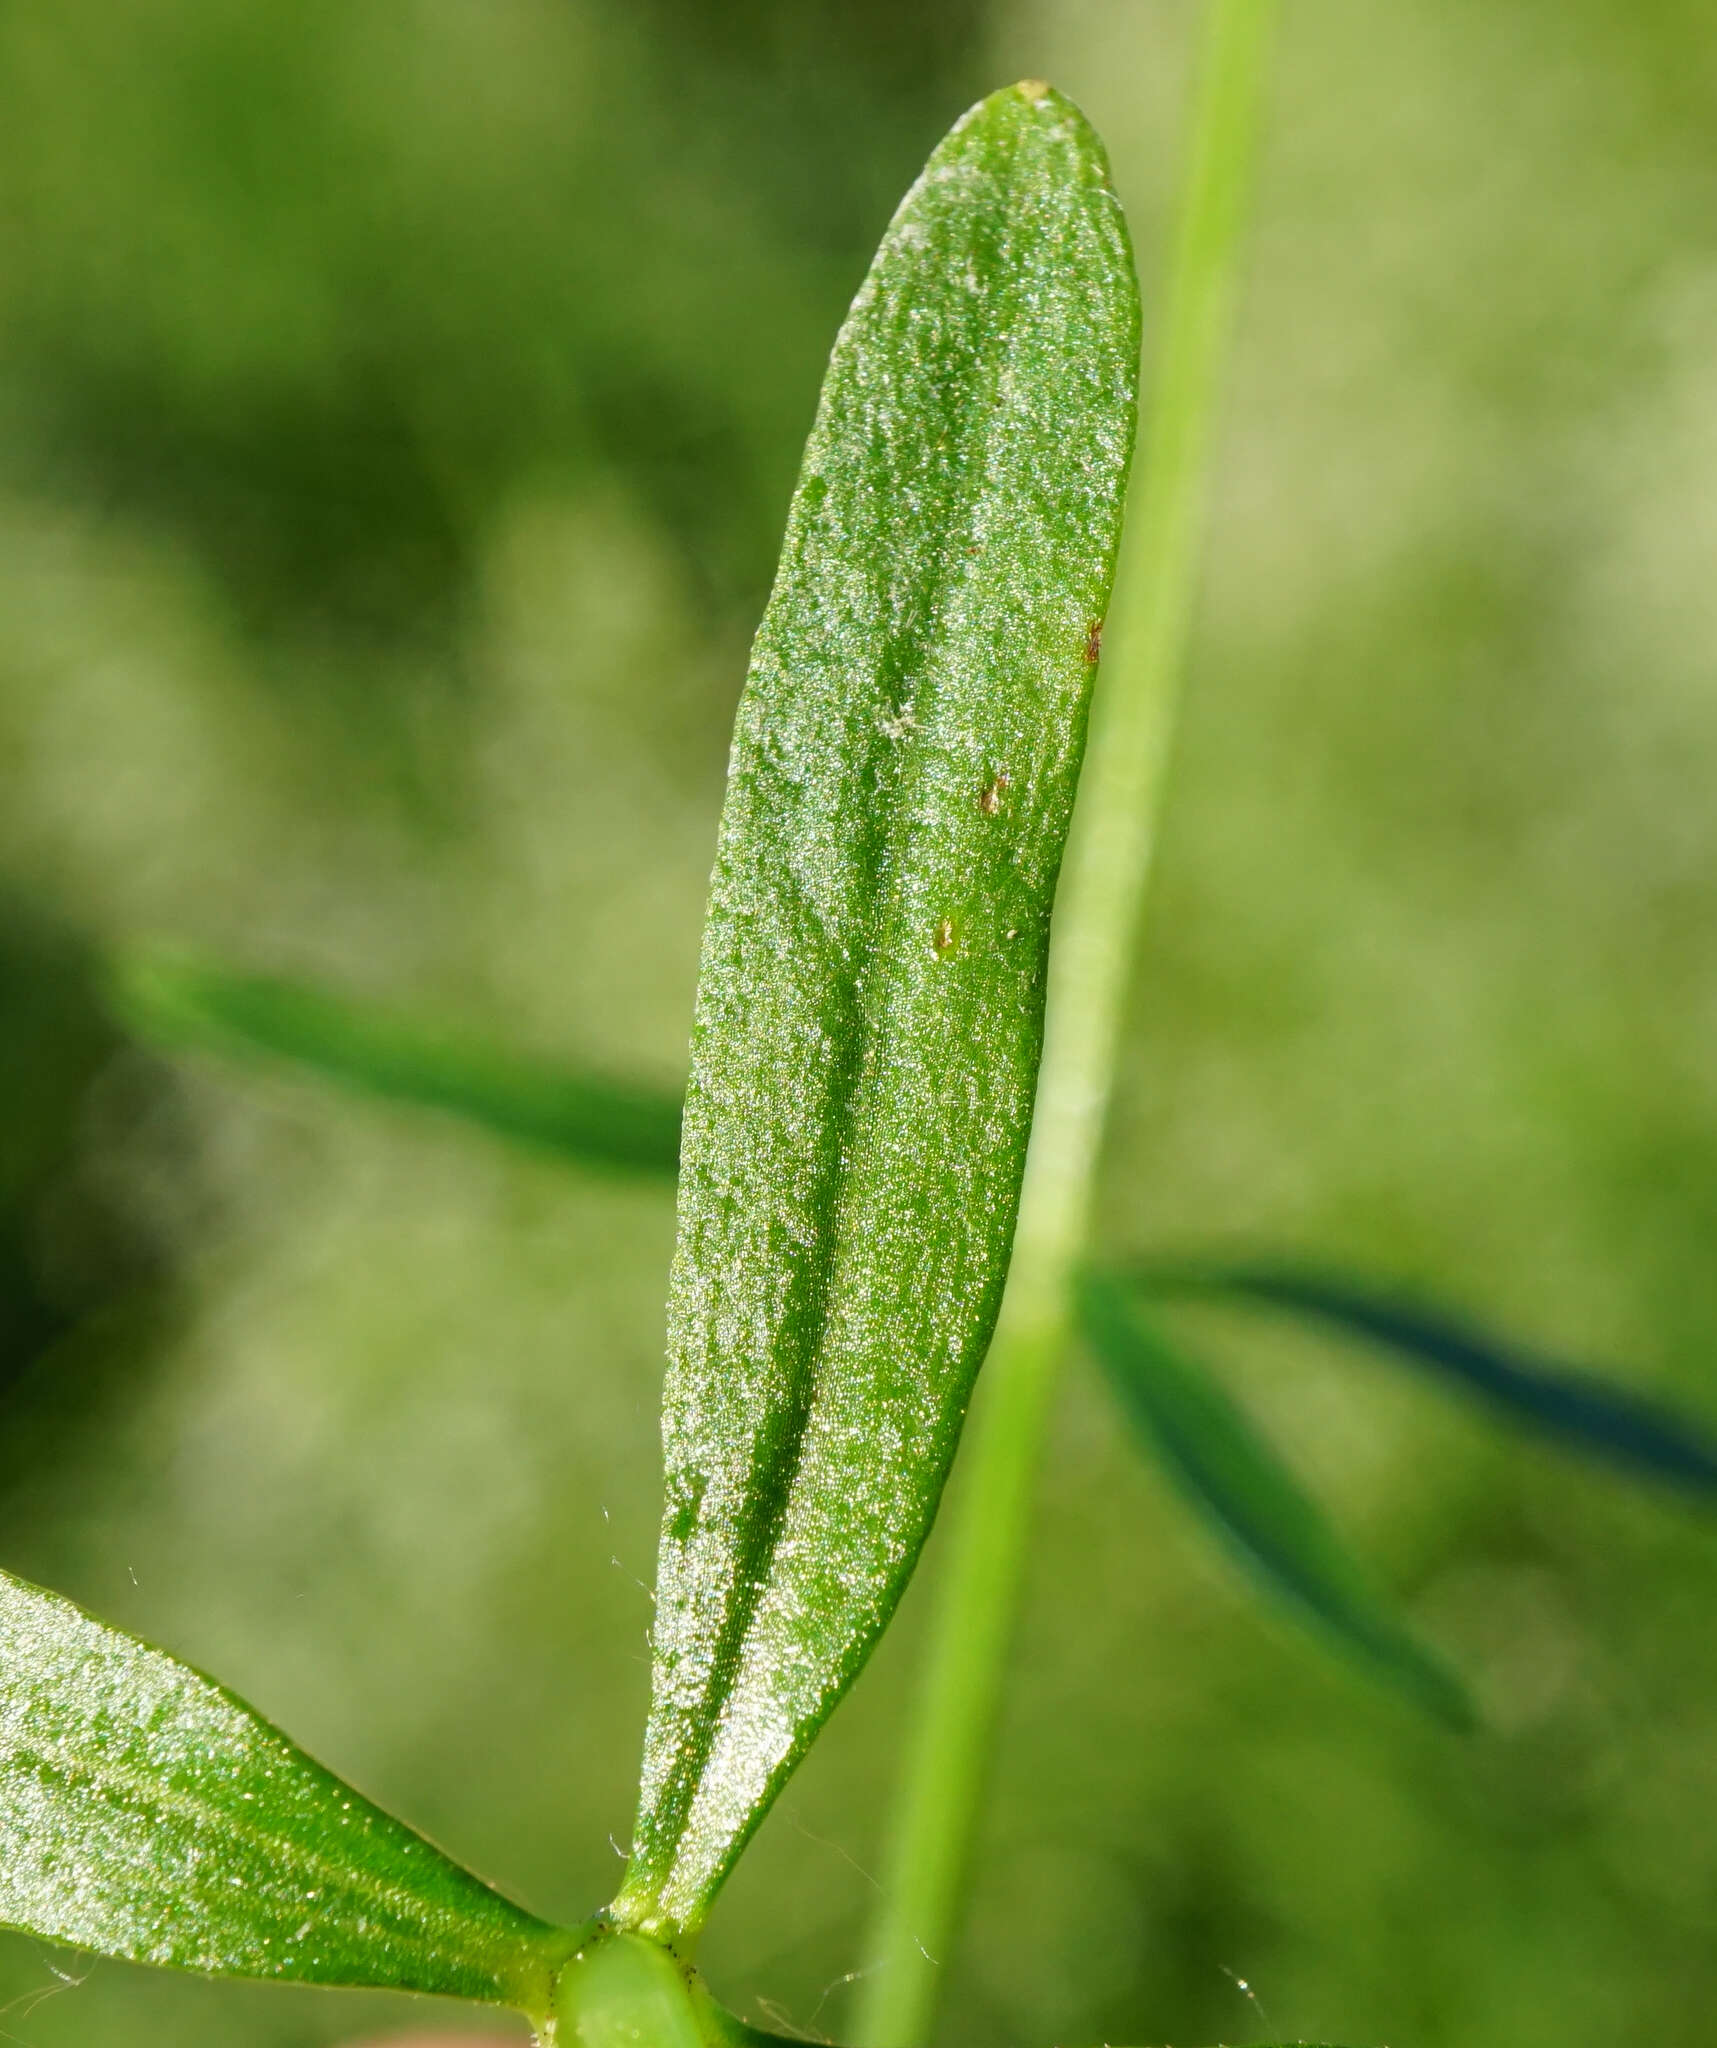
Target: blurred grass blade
x,y
870,998
1255,1503
184,1003
147,1814
1577,1407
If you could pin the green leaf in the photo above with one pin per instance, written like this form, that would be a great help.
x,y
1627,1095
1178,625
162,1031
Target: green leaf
x,y
1254,1502
148,1814
1578,1408
180,1002
870,1000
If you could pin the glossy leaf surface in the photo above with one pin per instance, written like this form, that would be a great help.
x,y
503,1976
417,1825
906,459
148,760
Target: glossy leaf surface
x,y
183,1003
1254,1502
1579,1408
147,1814
870,998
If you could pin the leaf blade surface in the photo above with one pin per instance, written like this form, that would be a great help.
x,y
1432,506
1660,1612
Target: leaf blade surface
x,y
871,989
1256,1505
148,1814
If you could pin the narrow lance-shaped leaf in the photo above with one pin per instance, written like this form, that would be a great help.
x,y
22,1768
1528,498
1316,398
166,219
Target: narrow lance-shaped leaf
x,y
1257,1506
870,998
1577,1407
181,1002
148,1814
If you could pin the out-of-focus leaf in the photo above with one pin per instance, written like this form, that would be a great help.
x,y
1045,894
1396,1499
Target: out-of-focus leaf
x,y
1251,1498
870,1000
72,1248
146,1813
181,1002
1579,1408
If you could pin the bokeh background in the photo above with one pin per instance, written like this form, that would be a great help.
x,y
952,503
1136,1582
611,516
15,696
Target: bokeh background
x,y
398,405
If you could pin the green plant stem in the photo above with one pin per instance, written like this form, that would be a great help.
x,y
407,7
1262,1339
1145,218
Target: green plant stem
x,y
1101,896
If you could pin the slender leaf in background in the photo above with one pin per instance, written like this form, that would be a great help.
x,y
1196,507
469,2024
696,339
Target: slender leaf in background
x,y
1255,1503
184,1003
1577,1407
148,1814
870,999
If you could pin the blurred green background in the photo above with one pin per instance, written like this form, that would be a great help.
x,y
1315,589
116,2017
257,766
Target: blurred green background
x,y
398,405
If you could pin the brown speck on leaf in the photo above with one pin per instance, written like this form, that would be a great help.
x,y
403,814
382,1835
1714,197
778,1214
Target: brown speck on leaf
x,y
1093,640
999,785
944,935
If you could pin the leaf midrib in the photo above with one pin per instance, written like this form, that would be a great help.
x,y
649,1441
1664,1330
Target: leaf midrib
x,y
142,1791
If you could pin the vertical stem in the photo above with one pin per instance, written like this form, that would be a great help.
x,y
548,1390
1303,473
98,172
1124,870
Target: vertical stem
x,y
1101,895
